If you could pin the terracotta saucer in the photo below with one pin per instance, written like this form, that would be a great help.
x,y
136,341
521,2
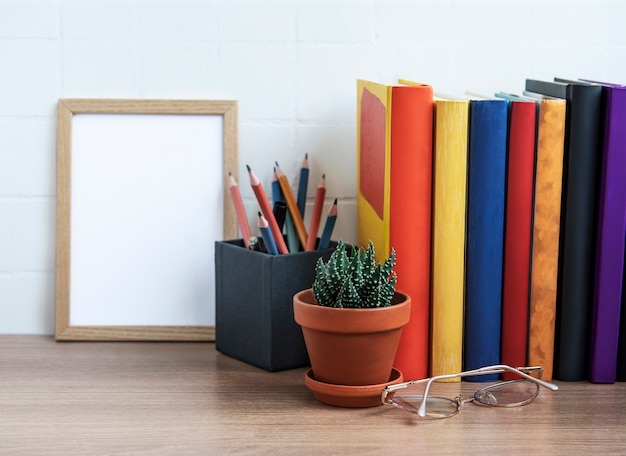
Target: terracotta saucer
x,y
349,396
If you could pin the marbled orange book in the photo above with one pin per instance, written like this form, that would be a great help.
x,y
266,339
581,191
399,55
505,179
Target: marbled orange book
x,y
547,222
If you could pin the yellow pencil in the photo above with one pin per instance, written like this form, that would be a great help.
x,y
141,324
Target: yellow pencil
x,y
292,205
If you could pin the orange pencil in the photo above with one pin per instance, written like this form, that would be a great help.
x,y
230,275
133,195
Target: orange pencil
x,y
292,204
317,214
266,210
241,213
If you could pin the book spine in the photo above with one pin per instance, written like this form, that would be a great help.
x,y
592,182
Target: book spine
x,y
485,230
621,342
518,229
610,241
546,229
577,260
448,257
411,124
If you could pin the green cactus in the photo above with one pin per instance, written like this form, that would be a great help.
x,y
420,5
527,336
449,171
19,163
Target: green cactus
x,y
355,280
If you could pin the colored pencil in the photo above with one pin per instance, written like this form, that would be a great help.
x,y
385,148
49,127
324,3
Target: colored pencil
x,y
316,216
266,210
239,209
303,185
280,213
292,238
266,233
276,193
328,227
291,203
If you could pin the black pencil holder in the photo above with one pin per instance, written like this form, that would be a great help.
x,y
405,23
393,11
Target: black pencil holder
x,y
254,304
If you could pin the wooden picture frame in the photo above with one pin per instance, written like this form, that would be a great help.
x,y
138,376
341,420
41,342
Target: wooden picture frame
x,y
142,196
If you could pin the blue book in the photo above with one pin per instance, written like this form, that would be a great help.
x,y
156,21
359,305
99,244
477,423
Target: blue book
x,y
485,233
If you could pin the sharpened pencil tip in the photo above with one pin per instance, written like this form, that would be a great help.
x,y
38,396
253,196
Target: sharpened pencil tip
x,y
335,202
229,173
324,176
277,165
248,167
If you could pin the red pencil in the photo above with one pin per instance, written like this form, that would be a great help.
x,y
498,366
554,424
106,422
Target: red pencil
x,y
316,215
241,213
266,210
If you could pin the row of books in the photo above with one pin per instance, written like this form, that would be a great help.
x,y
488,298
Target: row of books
x,y
508,217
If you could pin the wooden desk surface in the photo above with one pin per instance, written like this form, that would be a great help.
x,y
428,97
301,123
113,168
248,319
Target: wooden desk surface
x,y
185,398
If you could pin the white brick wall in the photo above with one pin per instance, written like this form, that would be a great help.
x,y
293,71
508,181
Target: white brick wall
x,y
292,65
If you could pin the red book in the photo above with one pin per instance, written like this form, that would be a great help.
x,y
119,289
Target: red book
x,y
518,231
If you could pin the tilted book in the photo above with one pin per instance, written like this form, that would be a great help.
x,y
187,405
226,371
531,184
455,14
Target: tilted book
x,y
394,189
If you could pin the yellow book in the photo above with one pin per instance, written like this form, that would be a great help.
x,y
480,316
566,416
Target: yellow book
x,y
448,251
373,104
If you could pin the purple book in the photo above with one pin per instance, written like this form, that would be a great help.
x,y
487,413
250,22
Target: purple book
x,y
610,240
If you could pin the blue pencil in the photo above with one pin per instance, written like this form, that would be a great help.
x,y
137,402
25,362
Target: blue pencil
x,y
276,192
268,239
303,184
328,227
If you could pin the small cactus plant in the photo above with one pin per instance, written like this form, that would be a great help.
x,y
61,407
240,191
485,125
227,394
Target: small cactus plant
x,y
355,280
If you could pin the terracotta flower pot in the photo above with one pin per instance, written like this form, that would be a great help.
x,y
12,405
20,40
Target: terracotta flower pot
x,y
351,346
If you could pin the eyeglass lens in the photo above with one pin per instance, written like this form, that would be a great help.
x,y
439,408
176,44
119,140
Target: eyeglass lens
x,y
436,407
507,394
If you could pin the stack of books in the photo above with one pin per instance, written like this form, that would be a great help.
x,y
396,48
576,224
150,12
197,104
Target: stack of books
x,y
508,216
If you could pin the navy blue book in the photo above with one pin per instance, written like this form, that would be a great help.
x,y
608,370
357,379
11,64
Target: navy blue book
x,y
579,212
485,233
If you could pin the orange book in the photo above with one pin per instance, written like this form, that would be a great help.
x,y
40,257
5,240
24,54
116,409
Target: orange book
x,y
394,189
547,223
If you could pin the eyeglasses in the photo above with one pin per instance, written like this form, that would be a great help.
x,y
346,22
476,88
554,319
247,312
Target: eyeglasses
x,y
512,393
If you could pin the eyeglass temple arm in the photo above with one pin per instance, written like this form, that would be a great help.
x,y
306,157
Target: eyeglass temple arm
x,y
497,369
521,371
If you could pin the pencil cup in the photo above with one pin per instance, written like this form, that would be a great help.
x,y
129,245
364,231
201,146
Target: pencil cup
x,y
254,304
